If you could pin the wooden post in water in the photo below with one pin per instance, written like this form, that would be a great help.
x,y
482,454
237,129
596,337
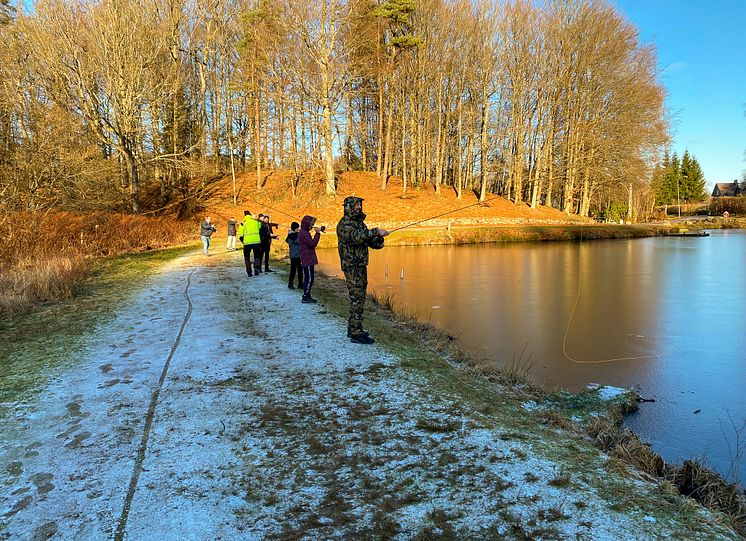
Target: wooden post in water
x,y
401,276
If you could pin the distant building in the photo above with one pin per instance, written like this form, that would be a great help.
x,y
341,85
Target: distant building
x,y
729,189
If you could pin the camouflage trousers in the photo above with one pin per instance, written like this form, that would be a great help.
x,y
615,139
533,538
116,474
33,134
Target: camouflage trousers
x,y
357,283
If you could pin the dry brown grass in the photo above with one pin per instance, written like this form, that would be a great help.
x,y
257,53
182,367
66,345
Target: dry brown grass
x,y
626,446
692,479
45,255
382,207
695,480
30,282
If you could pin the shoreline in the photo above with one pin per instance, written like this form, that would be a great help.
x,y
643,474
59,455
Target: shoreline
x,y
479,233
495,397
583,412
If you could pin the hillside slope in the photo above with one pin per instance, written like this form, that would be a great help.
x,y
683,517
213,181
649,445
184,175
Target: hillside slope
x,y
383,207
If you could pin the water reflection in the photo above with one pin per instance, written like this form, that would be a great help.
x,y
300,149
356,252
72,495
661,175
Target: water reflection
x,y
673,308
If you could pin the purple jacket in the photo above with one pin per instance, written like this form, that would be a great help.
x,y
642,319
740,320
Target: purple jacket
x,y
306,244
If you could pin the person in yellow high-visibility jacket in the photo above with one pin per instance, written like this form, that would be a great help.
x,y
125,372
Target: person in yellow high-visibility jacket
x,y
248,234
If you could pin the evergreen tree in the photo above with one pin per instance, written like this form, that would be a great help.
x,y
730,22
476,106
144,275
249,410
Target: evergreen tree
x,y
677,180
668,190
692,180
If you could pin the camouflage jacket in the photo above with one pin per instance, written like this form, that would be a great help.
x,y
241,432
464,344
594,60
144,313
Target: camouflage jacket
x,y
353,236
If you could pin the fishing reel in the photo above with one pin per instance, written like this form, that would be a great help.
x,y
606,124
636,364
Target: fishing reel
x,y
376,242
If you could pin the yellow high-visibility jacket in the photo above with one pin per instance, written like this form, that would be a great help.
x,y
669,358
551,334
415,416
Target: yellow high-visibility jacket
x,y
248,231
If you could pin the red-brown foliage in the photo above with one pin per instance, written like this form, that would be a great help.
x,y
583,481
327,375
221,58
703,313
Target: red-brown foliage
x,y
44,255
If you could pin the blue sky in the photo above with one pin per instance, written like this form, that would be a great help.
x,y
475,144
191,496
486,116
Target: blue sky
x,y
701,49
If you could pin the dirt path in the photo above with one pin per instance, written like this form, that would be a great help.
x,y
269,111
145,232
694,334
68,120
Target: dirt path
x,y
220,407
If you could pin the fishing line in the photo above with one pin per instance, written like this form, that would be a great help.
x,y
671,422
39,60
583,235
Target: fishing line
x,y
446,213
572,316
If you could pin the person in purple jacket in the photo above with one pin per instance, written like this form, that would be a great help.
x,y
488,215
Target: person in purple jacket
x,y
307,249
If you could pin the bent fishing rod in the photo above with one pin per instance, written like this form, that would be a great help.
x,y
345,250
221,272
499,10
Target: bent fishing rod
x,y
445,213
397,228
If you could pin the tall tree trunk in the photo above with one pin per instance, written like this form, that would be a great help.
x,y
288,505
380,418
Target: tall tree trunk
x,y
326,107
438,146
133,178
381,109
459,150
403,149
257,132
483,152
387,158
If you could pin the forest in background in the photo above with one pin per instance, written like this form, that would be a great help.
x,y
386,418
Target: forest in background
x,y
139,104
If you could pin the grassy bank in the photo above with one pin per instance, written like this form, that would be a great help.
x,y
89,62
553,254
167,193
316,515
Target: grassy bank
x,y
521,233
38,345
570,427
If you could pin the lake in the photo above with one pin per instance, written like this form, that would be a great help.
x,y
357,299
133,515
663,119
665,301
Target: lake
x,y
664,314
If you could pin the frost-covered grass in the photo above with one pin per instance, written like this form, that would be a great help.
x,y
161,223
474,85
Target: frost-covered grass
x,y
38,345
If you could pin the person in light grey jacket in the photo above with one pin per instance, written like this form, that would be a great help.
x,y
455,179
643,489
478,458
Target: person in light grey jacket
x,y
231,244
206,230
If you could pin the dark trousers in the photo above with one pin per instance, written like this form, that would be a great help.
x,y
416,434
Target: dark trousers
x,y
265,255
247,249
295,268
307,280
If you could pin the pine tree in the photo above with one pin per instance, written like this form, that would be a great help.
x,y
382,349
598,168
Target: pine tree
x,y
691,179
666,191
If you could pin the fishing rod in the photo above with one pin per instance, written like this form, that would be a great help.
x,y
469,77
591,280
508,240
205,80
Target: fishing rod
x,y
446,213
274,209
323,227
400,227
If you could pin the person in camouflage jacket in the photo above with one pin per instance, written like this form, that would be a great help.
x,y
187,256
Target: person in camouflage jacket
x,y
353,239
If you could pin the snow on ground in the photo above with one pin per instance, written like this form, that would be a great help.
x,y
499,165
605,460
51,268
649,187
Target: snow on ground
x,y
271,424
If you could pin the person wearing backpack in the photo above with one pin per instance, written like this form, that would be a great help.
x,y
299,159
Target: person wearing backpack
x,y
295,267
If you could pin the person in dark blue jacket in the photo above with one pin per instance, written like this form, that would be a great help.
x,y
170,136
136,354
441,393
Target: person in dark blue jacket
x,y
292,240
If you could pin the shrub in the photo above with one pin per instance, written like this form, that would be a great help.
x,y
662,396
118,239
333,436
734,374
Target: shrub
x,y
733,205
46,254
